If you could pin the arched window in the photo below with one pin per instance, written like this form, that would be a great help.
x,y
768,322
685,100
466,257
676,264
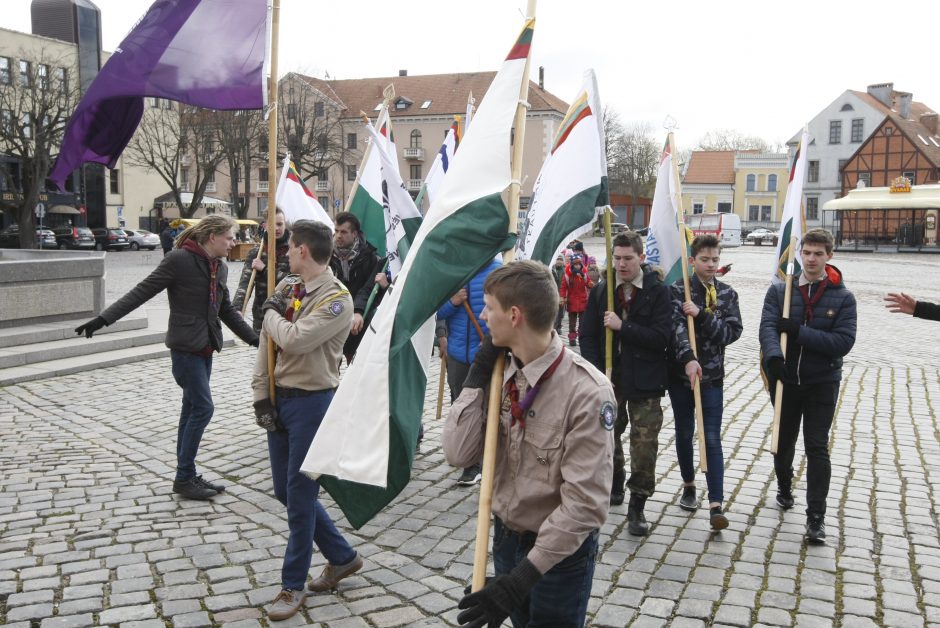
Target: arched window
x,y
847,107
751,182
416,139
772,183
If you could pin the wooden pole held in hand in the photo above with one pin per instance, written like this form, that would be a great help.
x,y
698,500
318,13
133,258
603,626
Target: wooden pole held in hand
x,y
778,393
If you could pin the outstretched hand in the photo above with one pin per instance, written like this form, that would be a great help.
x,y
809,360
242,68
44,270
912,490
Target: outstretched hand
x,y
91,327
900,303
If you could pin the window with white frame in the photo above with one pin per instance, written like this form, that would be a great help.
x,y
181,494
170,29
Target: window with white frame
x,y
751,183
772,183
753,212
835,131
724,208
765,213
698,207
24,74
42,76
858,130
812,171
5,75
812,208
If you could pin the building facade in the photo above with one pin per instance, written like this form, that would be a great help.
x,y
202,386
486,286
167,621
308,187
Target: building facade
x,y
709,181
760,188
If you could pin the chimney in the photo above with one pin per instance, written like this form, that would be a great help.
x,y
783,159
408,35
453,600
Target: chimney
x,y
904,104
541,77
403,73
882,93
929,120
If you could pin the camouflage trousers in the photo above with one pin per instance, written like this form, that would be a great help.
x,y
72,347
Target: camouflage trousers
x,y
645,418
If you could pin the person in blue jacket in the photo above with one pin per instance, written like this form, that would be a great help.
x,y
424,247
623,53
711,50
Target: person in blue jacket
x,y
462,341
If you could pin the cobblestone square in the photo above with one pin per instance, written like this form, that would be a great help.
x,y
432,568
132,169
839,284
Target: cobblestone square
x,y
90,533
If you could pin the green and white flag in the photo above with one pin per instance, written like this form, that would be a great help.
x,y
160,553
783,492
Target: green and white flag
x,y
363,451
664,244
402,218
793,221
572,183
366,200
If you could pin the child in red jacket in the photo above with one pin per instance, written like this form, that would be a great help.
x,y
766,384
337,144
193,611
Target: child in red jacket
x,y
574,295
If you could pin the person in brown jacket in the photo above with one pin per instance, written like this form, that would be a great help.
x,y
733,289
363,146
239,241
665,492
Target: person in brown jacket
x,y
553,458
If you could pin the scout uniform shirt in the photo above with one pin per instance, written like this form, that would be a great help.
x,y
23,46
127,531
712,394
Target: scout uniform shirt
x,y
311,344
554,467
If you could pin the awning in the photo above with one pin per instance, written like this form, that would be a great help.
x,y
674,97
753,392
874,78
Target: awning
x,y
62,209
920,197
167,200
189,222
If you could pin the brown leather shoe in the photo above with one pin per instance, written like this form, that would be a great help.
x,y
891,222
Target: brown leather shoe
x,y
332,574
286,604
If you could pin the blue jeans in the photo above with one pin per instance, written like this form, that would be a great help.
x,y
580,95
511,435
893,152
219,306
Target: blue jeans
x,y
192,373
561,597
683,407
307,520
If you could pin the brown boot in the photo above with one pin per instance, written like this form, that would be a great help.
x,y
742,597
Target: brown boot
x,y
332,574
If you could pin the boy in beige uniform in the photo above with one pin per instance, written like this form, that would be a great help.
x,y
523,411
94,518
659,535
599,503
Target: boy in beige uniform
x,y
553,461
308,317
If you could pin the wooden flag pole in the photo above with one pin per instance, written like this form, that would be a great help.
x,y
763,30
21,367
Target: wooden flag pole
x,y
251,280
272,180
473,317
611,280
440,385
778,394
690,322
481,550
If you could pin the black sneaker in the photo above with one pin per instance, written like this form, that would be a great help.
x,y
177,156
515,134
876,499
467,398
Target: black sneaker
x,y
218,488
816,529
689,499
470,476
192,489
784,498
717,519
616,499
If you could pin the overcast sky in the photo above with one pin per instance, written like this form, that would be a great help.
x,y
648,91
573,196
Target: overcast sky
x,y
761,68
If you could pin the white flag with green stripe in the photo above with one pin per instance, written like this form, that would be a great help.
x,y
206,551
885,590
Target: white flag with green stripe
x,y
664,244
793,221
366,200
572,183
364,448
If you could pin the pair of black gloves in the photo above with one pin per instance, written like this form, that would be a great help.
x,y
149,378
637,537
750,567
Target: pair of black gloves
x,y
776,367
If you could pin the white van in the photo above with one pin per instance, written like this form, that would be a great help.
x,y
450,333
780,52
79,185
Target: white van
x,y
726,226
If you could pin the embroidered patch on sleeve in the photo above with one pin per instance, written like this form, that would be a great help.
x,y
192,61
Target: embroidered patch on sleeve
x,y
607,416
336,308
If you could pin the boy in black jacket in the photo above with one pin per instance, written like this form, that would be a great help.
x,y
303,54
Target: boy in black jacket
x,y
642,325
821,331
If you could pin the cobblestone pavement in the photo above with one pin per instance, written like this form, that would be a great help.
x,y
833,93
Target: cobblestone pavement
x,y
91,535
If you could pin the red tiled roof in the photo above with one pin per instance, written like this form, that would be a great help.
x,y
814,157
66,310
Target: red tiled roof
x,y
710,166
911,127
447,92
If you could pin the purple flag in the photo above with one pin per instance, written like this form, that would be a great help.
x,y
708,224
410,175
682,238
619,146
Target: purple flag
x,y
208,53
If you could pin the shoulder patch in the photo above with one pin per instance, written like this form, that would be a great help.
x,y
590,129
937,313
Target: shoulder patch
x,y
336,307
607,415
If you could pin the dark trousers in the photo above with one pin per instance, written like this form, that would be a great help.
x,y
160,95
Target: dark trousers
x,y
683,407
561,597
573,318
191,373
815,404
645,418
307,520
559,317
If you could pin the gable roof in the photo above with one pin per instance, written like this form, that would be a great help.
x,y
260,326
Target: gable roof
x,y
710,166
918,134
447,93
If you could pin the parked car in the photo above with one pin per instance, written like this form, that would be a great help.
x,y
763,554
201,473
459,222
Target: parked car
x,y
110,238
762,236
142,239
74,238
10,238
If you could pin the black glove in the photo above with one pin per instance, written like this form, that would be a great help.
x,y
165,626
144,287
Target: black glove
x,y
776,368
789,326
256,342
501,595
266,415
482,368
91,327
277,302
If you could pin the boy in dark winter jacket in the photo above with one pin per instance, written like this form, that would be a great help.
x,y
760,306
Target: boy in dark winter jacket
x,y
820,332
717,323
642,326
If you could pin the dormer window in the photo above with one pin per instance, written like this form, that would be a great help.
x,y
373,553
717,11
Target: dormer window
x,y
847,107
403,103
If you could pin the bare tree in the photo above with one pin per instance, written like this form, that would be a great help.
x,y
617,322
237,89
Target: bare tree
x,y
731,139
632,156
35,105
238,134
174,139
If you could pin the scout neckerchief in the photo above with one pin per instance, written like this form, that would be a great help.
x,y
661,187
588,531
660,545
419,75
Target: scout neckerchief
x,y
623,300
297,297
193,247
808,303
519,410
711,297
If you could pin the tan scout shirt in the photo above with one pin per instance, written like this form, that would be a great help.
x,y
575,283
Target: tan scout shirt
x,y
311,346
553,477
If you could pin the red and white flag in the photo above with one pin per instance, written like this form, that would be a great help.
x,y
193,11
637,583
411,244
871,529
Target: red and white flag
x,y
296,200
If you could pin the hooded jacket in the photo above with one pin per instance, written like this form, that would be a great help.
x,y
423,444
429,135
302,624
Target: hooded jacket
x,y
815,355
